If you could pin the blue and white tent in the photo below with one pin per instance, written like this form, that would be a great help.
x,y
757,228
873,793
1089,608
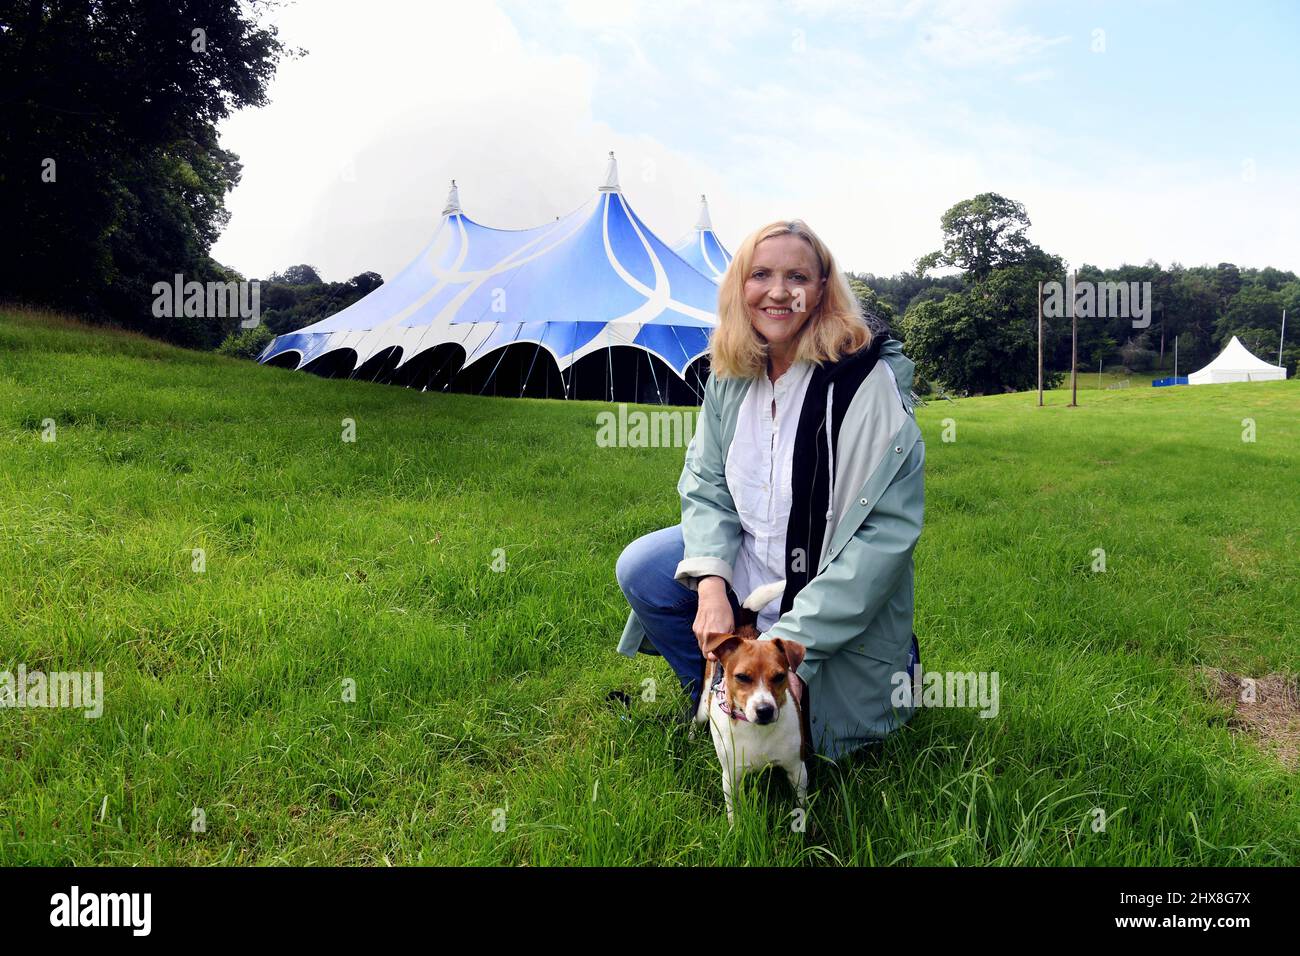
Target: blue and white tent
x,y
592,305
702,249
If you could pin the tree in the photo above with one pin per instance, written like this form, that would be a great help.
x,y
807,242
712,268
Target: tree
x,y
1255,308
112,177
983,340
871,303
297,275
980,235
366,282
1227,282
985,337
298,296
1137,354
900,291
246,343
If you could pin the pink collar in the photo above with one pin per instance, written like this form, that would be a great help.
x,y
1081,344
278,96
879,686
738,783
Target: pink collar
x,y
720,692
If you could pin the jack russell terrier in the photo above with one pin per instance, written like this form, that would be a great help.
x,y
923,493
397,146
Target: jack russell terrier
x,y
754,716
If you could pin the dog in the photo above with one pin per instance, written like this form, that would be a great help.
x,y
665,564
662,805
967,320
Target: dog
x,y
754,716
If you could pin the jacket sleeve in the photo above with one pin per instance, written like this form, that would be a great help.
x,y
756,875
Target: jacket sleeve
x,y
710,525
836,606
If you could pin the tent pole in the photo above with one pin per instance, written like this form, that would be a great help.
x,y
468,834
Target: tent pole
x,y
446,360
493,374
694,391
656,378
524,387
609,355
686,355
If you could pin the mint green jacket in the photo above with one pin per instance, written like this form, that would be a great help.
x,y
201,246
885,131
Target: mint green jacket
x,y
854,616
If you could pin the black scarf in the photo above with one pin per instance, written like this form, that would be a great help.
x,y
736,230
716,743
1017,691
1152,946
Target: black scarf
x,y
810,476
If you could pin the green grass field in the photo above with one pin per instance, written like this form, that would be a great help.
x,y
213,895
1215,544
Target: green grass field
x,y
480,696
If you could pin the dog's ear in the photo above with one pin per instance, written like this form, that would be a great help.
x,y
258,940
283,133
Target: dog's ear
x,y
793,651
720,644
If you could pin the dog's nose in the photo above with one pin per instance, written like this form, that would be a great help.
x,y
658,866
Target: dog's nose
x,y
764,714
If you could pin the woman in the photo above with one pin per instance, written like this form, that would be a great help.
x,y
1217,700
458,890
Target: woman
x,y
769,492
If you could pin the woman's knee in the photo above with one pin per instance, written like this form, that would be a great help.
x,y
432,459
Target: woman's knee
x,y
649,555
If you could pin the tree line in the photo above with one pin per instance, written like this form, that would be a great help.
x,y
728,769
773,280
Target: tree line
x,y
976,331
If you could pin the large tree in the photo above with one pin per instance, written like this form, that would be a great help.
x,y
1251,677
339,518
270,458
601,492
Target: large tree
x,y
980,235
111,176
983,338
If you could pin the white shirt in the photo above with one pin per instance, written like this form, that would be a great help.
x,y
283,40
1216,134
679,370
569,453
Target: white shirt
x,y
759,464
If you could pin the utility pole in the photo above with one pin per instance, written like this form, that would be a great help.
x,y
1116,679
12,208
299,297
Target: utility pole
x,y
1040,343
1074,348
1282,339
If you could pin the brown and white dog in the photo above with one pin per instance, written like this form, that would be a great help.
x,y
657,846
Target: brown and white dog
x,y
754,716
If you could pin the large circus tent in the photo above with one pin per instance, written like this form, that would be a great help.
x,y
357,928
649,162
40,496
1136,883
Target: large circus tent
x,y
591,306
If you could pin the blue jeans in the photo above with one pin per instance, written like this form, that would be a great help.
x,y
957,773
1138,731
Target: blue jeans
x,y
665,607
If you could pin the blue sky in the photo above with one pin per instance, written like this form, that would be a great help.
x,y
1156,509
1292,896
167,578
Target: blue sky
x,y
1129,130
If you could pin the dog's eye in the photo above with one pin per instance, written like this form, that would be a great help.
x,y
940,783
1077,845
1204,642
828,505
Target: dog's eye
x,y
778,678
744,678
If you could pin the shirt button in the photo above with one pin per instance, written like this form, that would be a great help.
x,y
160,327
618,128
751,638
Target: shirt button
x,y
862,501
898,449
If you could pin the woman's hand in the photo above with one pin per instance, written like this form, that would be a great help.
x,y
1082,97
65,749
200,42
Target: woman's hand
x,y
714,613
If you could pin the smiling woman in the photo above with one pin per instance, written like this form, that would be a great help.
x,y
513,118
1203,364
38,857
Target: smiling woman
x,y
806,467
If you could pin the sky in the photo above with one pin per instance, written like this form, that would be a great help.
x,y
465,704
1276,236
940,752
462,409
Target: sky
x,y
1130,131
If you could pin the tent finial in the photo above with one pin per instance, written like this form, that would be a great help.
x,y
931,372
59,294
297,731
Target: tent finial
x,y
704,223
452,208
611,176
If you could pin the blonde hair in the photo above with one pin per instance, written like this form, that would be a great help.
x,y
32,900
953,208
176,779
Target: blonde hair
x,y
836,327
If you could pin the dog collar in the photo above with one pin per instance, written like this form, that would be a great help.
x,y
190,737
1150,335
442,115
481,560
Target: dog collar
x,y
720,692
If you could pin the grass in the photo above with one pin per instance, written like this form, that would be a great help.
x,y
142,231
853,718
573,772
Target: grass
x,y
480,697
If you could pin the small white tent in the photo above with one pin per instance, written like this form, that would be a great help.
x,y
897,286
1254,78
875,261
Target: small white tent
x,y
1236,364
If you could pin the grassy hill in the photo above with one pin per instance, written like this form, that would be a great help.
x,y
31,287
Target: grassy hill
x,y
480,696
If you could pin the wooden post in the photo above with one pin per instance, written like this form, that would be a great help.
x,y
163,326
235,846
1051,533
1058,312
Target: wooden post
x,y
1074,349
1282,338
1040,344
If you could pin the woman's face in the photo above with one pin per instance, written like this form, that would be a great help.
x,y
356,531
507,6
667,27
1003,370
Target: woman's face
x,y
782,289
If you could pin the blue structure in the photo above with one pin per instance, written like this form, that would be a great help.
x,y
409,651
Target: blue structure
x,y
1171,380
702,249
592,305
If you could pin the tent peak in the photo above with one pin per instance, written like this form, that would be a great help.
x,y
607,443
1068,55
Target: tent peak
x,y
611,176
452,208
704,223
